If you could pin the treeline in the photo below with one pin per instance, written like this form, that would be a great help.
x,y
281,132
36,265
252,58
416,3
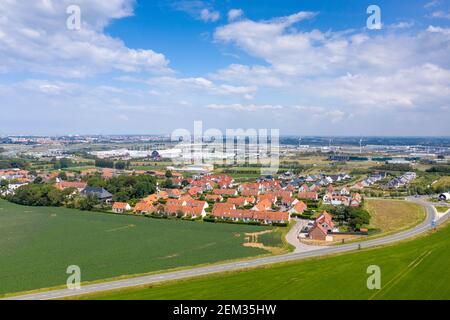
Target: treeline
x,y
125,188
65,163
13,163
354,217
105,163
439,169
393,167
46,195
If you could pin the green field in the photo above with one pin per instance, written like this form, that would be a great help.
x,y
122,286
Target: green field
x,y
442,209
38,244
415,269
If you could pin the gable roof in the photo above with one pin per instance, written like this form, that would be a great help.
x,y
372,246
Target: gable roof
x,y
120,205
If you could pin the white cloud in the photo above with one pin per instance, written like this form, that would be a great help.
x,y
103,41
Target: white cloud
x,y
198,9
402,25
293,52
234,14
35,38
441,14
431,4
202,86
250,75
241,107
444,31
209,16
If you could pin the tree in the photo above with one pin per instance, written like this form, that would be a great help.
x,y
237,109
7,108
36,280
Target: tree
x,y
104,163
88,202
167,184
184,183
4,183
169,174
38,180
121,165
62,175
38,195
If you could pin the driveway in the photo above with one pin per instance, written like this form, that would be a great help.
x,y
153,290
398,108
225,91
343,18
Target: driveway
x,y
292,237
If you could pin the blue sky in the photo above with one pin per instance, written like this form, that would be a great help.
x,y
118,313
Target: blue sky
x,y
304,67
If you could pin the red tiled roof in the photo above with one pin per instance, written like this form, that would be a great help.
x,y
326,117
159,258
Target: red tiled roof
x,y
250,192
120,205
144,207
251,214
308,195
69,184
225,192
264,205
214,197
238,201
300,207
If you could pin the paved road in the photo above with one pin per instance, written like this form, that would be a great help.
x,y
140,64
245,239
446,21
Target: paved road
x,y
145,280
292,238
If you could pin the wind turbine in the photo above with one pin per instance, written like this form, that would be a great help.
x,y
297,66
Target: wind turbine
x,y
360,146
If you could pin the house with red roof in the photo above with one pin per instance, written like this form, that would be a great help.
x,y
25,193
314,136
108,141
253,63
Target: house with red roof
x,y
309,195
225,192
214,197
263,205
298,208
120,207
238,202
144,208
79,185
322,227
250,192
195,191
265,217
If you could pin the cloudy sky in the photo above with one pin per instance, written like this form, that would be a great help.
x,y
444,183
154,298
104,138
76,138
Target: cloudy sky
x,y
307,67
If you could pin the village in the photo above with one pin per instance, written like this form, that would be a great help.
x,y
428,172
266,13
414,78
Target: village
x,y
210,197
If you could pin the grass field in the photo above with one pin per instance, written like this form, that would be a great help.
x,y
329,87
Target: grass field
x,y
394,215
415,269
443,182
38,244
442,209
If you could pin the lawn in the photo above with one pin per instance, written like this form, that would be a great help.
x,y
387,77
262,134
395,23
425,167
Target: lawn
x,y
410,270
394,215
38,244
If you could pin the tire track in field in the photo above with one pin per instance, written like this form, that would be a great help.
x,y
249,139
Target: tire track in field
x,y
402,274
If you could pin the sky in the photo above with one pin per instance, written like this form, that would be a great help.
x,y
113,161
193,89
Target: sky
x,y
305,67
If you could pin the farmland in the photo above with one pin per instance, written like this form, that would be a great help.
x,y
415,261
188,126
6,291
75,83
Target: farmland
x,y
391,216
409,270
37,244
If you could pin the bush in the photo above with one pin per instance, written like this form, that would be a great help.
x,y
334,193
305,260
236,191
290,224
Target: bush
x,y
38,195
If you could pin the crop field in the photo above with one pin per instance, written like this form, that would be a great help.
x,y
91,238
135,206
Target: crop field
x,y
410,270
38,244
394,215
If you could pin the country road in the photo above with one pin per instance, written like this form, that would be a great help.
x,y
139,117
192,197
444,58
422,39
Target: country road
x,y
200,271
